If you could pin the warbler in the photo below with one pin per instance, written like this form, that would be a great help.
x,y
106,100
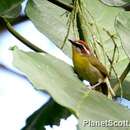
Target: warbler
x,y
89,68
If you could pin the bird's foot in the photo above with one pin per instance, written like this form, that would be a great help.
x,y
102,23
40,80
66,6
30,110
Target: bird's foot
x,y
94,86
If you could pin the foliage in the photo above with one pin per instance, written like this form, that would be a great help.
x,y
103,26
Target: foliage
x,y
10,8
58,79
105,27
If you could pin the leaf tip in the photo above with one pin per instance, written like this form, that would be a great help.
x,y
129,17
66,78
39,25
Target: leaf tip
x,y
13,48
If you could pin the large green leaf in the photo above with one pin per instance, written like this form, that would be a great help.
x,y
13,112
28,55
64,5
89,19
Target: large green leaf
x,y
10,8
58,79
50,19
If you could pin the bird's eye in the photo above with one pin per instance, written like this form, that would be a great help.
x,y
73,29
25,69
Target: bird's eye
x,y
79,46
82,49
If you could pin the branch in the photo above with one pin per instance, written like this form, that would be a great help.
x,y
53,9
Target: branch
x,y
21,38
122,77
13,21
62,5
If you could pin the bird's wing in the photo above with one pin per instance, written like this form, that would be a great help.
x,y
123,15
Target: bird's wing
x,y
96,63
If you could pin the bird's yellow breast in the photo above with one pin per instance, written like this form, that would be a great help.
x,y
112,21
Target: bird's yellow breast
x,y
84,68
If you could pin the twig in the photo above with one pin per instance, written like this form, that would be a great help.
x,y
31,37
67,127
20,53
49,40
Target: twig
x,y
115,48
122,77
66,37
21,38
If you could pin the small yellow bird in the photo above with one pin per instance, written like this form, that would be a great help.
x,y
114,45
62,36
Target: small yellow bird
x,y
89,68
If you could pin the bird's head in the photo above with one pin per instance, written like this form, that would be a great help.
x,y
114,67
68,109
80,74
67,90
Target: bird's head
x,y
81,46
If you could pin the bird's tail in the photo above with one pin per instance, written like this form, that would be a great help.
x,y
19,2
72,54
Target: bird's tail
x,y
104,88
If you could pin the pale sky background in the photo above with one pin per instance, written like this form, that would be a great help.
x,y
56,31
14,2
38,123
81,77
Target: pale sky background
x,y
18,98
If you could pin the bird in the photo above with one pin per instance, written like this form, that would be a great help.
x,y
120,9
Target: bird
x,y
89,68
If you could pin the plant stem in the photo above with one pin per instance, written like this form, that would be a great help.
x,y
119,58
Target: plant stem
x,y
79,27
122,77
13,21
21,38
62,5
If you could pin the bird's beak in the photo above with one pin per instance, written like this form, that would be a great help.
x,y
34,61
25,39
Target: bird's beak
x,y
73,42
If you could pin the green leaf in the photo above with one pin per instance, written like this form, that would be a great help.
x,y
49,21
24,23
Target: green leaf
x,y
10,8
58,79
49,114
49,19
115,2
122,26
